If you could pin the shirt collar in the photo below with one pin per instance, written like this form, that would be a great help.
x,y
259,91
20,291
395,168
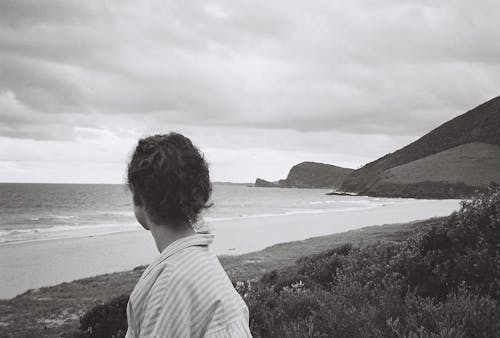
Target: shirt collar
x,y
198,239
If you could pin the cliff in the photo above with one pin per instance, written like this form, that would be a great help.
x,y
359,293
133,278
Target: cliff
x,y
265,184
310,175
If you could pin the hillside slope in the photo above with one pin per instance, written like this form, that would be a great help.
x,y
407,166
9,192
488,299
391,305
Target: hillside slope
x,y
481,124
310,175
456,172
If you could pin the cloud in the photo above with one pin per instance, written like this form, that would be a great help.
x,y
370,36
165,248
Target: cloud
x,y
19,121
397,68
339,82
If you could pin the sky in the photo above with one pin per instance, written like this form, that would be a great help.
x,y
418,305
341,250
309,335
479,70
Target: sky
x,y
257,85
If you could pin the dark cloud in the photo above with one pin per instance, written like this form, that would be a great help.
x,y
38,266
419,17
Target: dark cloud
x,y
395,68
17,13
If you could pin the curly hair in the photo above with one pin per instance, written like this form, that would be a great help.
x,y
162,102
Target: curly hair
x,y
169,177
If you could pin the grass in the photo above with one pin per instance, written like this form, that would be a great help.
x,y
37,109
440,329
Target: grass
x,y
474,164
480,124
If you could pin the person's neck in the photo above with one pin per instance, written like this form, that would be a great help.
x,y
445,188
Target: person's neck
x,y
164,234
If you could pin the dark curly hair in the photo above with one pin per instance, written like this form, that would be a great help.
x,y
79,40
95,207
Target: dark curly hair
x,y
169,176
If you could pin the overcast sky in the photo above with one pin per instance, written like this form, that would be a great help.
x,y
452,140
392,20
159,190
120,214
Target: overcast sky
x,y
257,85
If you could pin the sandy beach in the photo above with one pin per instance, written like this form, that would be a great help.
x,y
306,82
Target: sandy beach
x,y
41,263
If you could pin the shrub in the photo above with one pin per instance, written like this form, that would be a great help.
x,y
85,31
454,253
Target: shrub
x,y
323,268
106,320
463,249
461,314
444,282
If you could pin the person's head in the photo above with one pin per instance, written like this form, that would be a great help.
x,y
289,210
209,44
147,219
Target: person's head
x,y
169,180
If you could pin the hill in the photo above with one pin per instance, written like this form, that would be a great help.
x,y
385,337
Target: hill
x,y
456,172
310,175
481,124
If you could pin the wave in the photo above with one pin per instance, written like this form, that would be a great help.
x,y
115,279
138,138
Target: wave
x,y
50,217
27,225
62,231
291,212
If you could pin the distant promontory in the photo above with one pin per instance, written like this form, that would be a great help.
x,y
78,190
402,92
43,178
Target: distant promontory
x,y
310,175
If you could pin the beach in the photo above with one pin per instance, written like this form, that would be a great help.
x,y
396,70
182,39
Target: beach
x,y
55,311
34,264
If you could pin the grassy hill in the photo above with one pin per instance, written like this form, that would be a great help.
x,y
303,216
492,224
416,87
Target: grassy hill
x,y
456,172
481,124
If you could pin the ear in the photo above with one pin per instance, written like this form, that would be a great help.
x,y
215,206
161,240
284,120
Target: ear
x,y
141,216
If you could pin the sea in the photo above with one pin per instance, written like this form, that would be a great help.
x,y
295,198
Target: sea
x,y
35,212
54,233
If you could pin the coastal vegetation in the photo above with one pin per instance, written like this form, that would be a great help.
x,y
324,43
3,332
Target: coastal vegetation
x,y
444,281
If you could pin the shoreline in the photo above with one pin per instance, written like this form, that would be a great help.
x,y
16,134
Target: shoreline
x,y
40,263
64,238
55,310
79,228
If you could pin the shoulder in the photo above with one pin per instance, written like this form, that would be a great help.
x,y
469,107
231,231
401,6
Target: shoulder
x,y
199,273
178,269
196,264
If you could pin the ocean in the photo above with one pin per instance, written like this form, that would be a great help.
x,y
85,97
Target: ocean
x,y
53,233
33,212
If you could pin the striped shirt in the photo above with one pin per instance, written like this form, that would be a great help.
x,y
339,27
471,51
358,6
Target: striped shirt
x,y
185,292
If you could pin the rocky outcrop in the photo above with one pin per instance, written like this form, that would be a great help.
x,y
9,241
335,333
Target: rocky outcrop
x,y
310,175
315,175
260,183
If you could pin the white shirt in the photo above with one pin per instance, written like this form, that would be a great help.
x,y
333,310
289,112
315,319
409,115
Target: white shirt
x,y
185,292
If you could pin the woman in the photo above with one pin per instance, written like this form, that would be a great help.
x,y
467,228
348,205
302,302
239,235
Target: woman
x,y
184,292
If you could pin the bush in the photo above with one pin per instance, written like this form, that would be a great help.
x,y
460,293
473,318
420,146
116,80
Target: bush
x,y
463,249
444,282
323,268
462,314
106,320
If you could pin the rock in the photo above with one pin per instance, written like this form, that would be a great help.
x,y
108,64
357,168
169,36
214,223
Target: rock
x,y
340,193
315,175
310,175
265,184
